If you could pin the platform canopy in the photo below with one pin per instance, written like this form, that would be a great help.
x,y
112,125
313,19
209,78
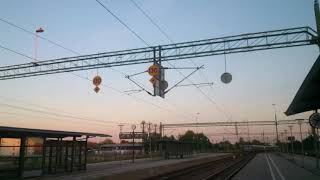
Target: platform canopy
x,y
308,95
18,132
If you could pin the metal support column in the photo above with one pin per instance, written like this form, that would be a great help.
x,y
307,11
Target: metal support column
x,y
72,153
85,153
22,156
44,147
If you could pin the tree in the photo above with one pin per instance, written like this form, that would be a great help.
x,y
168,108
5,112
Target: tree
x,y
106,141
199,140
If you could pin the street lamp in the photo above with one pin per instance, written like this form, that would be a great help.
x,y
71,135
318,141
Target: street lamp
x,y
38,31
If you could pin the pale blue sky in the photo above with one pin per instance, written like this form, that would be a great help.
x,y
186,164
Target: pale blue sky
x,y
260,78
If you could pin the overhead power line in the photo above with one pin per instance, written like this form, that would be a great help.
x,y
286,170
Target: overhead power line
x,y
152,21
49,118
171,40
56,114
82,77
123,23
15,52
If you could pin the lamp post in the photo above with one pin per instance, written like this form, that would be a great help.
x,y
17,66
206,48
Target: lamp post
x,y
36,43
276,122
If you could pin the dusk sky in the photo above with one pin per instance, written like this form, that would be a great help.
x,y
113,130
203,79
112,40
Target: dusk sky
x,y
260,78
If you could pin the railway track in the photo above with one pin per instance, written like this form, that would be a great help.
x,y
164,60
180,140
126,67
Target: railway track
x,y
220,169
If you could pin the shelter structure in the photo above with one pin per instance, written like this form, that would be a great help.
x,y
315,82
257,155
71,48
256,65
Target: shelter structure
x,y
308,99
35,152
308,95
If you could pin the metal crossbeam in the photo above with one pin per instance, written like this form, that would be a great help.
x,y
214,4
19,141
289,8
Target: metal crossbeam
x,y
236,123
300,36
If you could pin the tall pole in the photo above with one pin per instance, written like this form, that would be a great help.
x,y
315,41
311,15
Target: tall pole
x,y
316,140
282,148
317,15
197,136
143,136
149,131
276,122
302,149
291,139
133,146
36,44
197,122
155,135
133,128
120,126
248,131
287,148
237,132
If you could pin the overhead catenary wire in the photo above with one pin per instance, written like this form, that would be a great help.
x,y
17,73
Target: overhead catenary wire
x,y
82,77
123,23
171,40
48,117
152,21
56,114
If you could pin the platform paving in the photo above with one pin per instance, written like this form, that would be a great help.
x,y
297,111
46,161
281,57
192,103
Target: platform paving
x,y
270,166
106,170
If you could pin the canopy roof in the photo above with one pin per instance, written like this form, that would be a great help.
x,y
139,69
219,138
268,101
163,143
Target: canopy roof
x,y
308,95
18,132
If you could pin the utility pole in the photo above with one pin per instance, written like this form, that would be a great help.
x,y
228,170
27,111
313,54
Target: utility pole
x,y
155,128
263,137
248,131
286,137
155,135
133,127
316,138
282,148
143,136
302,149
197,122
237,133
276,122
149,132
120,127
160,129
290,127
